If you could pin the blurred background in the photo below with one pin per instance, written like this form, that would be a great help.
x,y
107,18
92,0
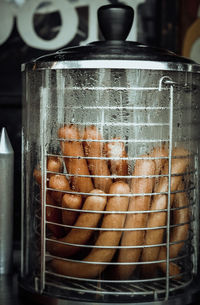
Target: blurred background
x,y
31,28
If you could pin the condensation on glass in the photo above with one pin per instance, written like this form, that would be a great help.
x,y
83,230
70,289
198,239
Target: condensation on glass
x,y
137,132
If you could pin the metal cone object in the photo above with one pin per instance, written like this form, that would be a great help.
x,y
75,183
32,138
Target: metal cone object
x,y
6,203
5,145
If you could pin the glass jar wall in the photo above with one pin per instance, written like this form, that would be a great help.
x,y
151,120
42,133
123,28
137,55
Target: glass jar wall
x,y
110,184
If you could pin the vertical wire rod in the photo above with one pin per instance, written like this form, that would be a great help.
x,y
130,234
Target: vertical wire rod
x,y
169,191
22,270
44,100
196,222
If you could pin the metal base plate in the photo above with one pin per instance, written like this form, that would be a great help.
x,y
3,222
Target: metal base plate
x,y
184,299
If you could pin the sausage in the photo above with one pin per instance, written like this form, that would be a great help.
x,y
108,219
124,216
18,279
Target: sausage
x,y
138,203
177,233
161,153
54,164
118,167
75,166
97,167
180,216
53,215
159,202
93,203
67,200
59,183
70,201
90,268
37,176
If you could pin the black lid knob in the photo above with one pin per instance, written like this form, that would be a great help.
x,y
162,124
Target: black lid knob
x,y
115,21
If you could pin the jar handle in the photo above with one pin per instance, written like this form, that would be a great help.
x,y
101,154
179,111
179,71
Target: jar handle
x,y
115,21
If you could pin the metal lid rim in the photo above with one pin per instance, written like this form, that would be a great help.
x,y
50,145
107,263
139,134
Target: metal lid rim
x,y
112,64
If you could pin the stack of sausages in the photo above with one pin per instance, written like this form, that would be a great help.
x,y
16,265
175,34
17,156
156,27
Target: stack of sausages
x,y
110,217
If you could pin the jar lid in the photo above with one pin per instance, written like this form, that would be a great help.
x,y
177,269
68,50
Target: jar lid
x,y
115,22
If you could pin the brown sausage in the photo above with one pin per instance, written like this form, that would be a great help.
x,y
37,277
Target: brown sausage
x,y
75,166
97,167
161,153
159,202
118,167
70,201
93,203
59,183
37,176
177,233
54,164
90,268
138,203
54,215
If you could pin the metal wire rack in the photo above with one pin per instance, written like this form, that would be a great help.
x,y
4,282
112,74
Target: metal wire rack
x,y
134,287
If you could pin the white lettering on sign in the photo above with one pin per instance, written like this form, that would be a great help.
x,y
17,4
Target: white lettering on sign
x,y
6,21
68,29
92,18
24,15
134,4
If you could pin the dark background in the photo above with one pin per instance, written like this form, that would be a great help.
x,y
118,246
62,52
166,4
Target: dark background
x,y
162,23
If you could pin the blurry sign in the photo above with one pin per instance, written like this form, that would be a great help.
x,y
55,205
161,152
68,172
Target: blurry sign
x,y
191,43
24,15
